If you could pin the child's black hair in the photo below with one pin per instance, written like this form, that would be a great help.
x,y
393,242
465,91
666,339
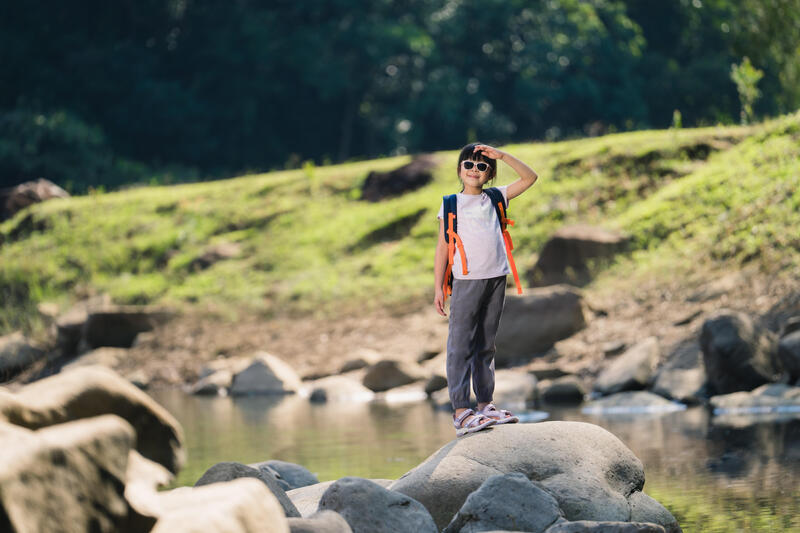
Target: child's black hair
x,y
468,154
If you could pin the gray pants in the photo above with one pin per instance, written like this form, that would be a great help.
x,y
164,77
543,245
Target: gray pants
x,y
475,309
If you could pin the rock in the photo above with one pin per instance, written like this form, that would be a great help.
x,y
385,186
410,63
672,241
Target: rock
x,y
514,388
568,390
506,502
789,354
589,471
362,359
296,476
227,471
234,365
216,384
411,393
589,526
306,499
29,193
370,508
683,376
738,355
791,325
16,354
389,373
646,509
434,383
573,252
238,506
632,370
409,177
93,391
69,330
139,379
119,325
68,474
770,398
266,375
613,348
632,403
321,522
543,370
338,389
532,323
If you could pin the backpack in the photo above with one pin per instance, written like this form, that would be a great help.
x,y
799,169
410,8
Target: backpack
x,y
454,241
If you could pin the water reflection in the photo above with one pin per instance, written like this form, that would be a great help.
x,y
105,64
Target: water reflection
x,y
710,475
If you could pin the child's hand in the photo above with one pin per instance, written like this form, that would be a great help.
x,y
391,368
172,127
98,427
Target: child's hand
x,y
438,302
488,151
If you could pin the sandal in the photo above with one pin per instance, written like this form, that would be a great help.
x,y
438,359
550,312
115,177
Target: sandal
x,y
500,416
477,423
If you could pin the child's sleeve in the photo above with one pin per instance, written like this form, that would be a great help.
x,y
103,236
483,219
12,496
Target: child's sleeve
x,y
441,211
504,190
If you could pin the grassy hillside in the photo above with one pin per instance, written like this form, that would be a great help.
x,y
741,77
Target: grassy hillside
x,y
691,199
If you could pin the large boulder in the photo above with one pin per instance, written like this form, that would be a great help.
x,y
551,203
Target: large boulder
x,y
228,471
789,354
409,177
16,354
589,471
25,194
119,325
238,506
338,389
506,502
632,370
738,354
683,376
266,374
532,323
92,391
389,373
370,508
573,253
67,477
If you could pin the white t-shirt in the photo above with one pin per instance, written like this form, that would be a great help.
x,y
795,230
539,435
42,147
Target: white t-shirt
x,y
477,225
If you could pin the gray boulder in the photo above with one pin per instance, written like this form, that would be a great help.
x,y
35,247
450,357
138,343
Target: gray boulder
x,y
738,354
532,323
238,506
307,498
589,471
632,403
435,383
228,471
506,502
389,373
370,508
563,390
514,388
589,526
294,475
266,374
361,359
338,389
645,509
789,354
119,325
573,252
16,354
632,370
215,384
92,391
683,376
767,403
321,522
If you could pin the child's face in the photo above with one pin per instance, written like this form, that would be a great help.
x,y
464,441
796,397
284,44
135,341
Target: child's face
x,y
473,176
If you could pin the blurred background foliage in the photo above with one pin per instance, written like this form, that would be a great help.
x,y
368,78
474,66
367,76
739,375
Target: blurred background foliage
x,y
100,94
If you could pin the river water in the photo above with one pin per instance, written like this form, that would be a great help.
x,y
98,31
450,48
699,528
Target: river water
x,y
714,475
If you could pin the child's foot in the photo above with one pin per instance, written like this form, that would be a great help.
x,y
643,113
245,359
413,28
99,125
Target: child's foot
x,y
469,422
500,416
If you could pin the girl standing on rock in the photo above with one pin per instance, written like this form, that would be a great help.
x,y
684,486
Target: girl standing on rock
x,y
479,272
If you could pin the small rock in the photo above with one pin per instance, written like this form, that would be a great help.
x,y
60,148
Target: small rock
x,y
228,471
294,475
631,370
564,390
389,373
266,374
434,383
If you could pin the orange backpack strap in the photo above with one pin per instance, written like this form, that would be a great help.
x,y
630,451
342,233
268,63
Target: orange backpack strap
x,y
499,207
453,243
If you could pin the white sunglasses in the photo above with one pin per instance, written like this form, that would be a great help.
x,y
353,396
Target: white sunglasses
x,y
480,166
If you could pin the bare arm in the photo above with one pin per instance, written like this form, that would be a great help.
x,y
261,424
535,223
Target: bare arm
x,y
527,176
439,266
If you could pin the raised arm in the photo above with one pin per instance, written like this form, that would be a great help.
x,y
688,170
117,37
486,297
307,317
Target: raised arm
x,y
527,176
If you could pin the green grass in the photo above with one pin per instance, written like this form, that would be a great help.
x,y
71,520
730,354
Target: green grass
x,y
696,198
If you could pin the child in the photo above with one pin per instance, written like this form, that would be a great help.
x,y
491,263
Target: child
x,y
478,295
